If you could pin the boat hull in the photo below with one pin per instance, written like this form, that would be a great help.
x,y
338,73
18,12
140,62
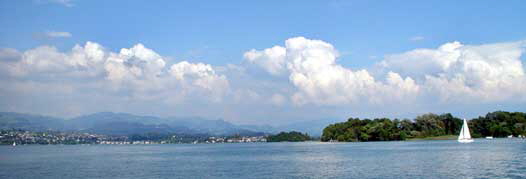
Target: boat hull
x,y
465,140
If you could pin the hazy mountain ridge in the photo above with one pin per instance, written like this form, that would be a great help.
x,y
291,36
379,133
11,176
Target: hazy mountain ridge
x,y
217,127
122,124
312,127
125,124
10,120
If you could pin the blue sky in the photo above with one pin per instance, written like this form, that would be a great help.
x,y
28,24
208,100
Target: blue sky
x,y
219,33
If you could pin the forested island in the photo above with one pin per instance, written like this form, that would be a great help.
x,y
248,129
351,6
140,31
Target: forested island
x,y
292,136
495,124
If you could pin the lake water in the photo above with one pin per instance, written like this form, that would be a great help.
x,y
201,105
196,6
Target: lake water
x,y
498,158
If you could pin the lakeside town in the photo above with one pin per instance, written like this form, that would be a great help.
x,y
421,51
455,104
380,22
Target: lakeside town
x,y
21,137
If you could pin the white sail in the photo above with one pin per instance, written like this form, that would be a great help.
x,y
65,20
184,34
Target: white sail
x,y
464,136
467,135
461,135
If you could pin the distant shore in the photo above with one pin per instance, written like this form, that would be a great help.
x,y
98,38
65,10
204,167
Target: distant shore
x,y
426,127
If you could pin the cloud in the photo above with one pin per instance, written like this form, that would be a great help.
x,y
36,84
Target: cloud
x,y
202,76
138,66
66,3
451,74
246,96
312,69
46,61
417,38
278,99
53,34
9,54
139,71
303,77
419,62
271,59
453,71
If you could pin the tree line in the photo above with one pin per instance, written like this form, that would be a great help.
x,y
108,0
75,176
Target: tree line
x,y
496,124
292,136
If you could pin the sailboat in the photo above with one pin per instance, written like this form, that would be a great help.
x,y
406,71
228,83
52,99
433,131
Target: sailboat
x,y
465,136
14,144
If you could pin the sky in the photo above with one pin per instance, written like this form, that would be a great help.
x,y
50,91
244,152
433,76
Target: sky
x,y
262,62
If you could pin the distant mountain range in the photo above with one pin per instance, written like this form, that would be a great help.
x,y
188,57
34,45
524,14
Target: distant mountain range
x,y
110,123
312,127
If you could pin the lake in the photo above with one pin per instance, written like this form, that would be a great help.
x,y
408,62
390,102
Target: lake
x,y
497,158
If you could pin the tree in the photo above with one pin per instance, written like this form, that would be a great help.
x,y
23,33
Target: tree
x,y
498,124
292,136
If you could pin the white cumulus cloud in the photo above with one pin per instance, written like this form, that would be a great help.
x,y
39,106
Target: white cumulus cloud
x,y
451,73
490,72
138,70
312,68
271,59
305,78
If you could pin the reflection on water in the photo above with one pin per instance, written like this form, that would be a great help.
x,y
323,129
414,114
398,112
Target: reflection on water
x,y
498,158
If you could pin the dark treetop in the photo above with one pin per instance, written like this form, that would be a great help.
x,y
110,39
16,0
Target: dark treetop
x,y
292,136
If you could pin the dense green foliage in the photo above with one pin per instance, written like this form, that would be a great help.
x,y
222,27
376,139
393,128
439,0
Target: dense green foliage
x,y
498,124
292,136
